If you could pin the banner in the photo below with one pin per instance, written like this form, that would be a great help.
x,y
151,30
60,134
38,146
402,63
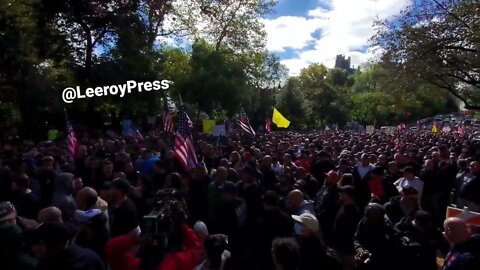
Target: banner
x,y
370,129
219,130
208,126
126,126
52,134
472,218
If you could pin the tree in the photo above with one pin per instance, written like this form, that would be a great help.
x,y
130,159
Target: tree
x,y
214,80
436,42
292,103
34,66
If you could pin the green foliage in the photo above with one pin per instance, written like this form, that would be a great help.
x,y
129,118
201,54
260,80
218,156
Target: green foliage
x,y
319,96
435,42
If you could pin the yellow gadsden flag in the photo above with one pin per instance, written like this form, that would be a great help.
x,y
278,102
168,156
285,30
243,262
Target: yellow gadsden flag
x,y
208,126
279,120
434,129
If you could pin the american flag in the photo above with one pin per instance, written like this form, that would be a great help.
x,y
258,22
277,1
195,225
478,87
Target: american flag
x,y
245,123
461,130
72,142
183,148
268,125
134,132
168,120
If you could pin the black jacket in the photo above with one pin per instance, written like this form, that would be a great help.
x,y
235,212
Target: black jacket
x,y
394,210
312,254
344,229
381,241
320,168
272,224
73,258
123,219
327,203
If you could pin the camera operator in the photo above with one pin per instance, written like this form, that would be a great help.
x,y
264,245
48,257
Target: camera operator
x,y
375,240
421,240
175,239
217,255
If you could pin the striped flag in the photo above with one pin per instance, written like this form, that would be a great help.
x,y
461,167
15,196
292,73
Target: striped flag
x,y
134,132
167,120
461,130
268,125
183,148
72,142
245,123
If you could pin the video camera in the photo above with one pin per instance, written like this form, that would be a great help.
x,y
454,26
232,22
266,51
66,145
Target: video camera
x,y
162,229
167,215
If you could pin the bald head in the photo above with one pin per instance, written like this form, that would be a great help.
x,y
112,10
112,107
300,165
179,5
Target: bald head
x,y
295,198
50,214
86,198
456,230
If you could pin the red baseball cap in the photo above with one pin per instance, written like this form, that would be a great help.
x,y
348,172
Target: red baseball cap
x,y
333,174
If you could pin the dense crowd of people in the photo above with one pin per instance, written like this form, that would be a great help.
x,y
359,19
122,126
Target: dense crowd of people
x,y
283,200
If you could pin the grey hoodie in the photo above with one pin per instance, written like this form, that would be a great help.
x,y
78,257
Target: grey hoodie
x,y
62,197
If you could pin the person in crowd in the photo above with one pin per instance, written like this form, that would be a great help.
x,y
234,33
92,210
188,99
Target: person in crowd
x,y
361,174
106,174
346,180
26,202
409,179
248,188
376,243
403,206
327,204
159,175
269,176
12,253
470,189
465,251
214,192
62,197
273,223
345,226
53,250
308,181
50,214
463,173
231,220
92,232
87,199
380,188
46,176
217,254
421,240
322,166
313,252
183,250
201,231
8,213
123,217
286,254
198,193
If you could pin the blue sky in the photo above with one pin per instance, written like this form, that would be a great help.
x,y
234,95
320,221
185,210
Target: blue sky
x,y
302,32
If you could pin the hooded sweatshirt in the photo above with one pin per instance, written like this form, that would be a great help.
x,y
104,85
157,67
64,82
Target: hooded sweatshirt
x,y
62,197
11,256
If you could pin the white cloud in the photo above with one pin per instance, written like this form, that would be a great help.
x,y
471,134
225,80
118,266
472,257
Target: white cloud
x,y
290,32
345,29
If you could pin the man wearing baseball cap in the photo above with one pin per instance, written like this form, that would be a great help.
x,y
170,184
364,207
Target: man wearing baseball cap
x,y
312,251
327,204
310,244
124,218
